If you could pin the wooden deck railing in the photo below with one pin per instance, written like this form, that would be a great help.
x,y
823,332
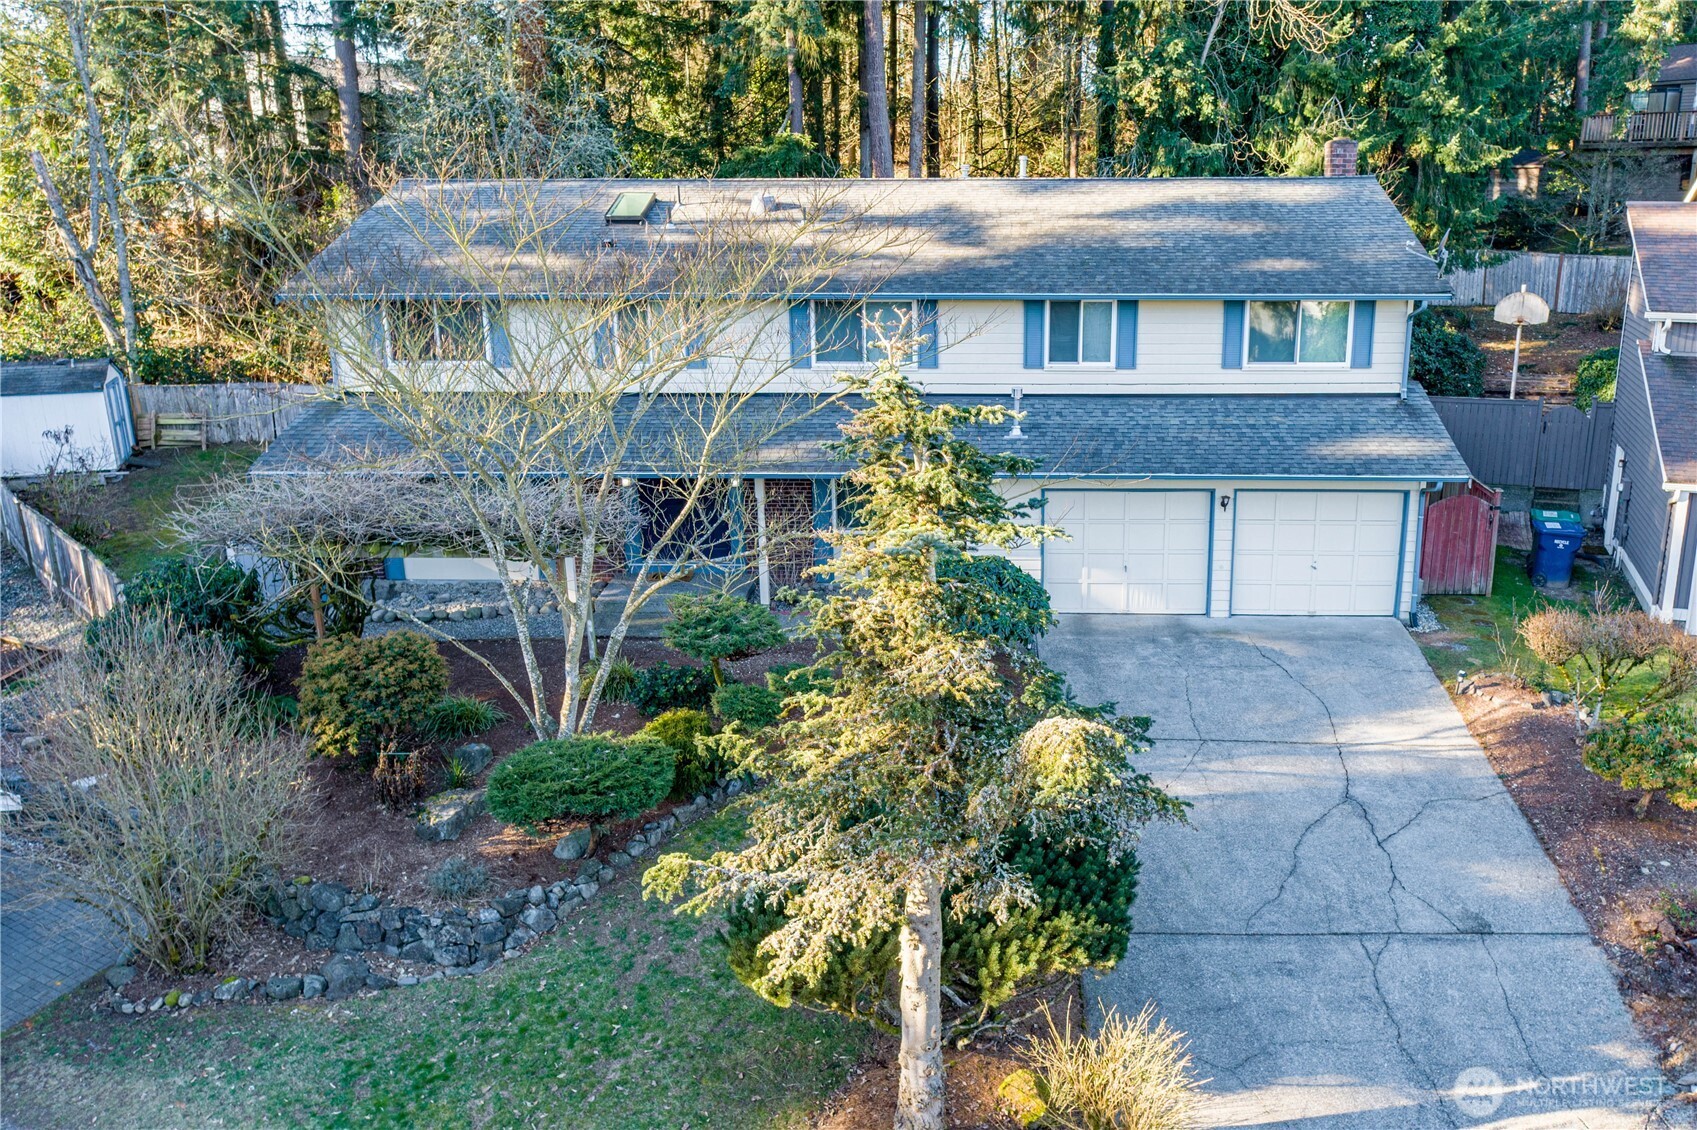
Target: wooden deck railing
x,y
1665,127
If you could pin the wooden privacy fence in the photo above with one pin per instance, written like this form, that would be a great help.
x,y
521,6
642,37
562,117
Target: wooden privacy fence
x,y
1458,552
234,413
69,570
1531,443
1571,284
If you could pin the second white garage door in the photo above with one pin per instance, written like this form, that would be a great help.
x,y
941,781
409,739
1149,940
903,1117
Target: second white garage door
x,y
1128,551
1316,553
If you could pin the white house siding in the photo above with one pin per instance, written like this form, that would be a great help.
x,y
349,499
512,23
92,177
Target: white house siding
x,y
983,351
1221,553
23,419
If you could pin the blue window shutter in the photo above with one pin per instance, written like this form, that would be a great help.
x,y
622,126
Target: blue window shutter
x,y
821,520
500,347
1034,333
603,343
1361,353
928,344
801,336
374,332
1125,349
1231,345
697,352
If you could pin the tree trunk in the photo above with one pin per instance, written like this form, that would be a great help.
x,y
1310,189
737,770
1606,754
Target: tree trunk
x,y
104,173
347,90
974,63
80,255
1107,91
1582,73
794,65
916,108
933,92
863,131
919,1102
880,157
281,80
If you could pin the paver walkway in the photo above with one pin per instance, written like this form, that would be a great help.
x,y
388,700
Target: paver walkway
x,y
47,948
1358,929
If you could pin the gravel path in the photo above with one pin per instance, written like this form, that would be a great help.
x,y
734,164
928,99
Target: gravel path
x,y
27,613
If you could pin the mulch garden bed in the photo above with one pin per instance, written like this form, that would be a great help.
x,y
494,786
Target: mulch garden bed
x,y
1549,354
346,835
1623,874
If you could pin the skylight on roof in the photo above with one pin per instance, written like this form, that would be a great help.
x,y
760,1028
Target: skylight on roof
x,y
630,208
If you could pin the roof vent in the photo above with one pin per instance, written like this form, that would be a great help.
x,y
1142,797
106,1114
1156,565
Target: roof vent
x,y
761,203
630,208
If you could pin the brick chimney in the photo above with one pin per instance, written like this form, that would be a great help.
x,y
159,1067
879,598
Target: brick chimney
x,y
1341,157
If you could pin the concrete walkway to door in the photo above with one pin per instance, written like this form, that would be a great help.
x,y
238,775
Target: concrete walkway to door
x,y
1358,929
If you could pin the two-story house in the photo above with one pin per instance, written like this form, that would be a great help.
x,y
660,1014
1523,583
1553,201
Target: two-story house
x,y
1213,373
1650,524
1659,123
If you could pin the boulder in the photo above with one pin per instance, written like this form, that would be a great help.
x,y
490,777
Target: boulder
x,y
344,975
572,845
312,985
327,898
120,975
283,988
539,919
447,814
231,989
474,757
348,940
417,951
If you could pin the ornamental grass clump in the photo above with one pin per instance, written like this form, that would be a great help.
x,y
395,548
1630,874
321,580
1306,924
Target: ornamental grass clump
x,y
164,791
1131,1075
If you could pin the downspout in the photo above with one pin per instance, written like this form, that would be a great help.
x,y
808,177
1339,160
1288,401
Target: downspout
x,y
1408,345
1426,488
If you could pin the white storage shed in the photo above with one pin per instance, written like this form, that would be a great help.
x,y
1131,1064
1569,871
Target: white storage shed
x,y
89,397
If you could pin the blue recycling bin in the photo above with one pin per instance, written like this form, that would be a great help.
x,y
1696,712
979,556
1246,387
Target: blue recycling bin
x,y
1555,543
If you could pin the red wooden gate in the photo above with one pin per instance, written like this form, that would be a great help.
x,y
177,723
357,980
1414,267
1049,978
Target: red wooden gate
x,y
1459,549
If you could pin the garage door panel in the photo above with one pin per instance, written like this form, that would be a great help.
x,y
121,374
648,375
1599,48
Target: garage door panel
x,y
1317,553
1130,551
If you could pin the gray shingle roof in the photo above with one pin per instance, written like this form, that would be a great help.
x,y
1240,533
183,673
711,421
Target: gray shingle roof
x,y
1664,240
1218,237
47,378
1672,382
1680,64
1366,437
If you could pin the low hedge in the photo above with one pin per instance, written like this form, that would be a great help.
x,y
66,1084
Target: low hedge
x,y
600,777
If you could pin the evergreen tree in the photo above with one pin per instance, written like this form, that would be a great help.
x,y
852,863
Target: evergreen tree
x,y
933,749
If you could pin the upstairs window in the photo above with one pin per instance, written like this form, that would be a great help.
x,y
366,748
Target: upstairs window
x,y
436,331
1314,333
856,332
1081,333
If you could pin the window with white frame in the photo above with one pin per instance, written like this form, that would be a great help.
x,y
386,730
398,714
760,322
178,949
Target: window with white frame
x,y
1283,333
436,331
1081,333
859,332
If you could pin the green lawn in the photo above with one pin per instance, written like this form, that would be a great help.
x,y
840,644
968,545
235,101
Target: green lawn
x,y
626,1018
138,505
1480,631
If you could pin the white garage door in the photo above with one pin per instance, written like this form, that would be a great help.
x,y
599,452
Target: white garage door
x,y
1316,553
1128,551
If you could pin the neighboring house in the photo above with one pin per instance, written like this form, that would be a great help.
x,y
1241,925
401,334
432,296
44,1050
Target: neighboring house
x,y
1651,527
1661,124
86,402
1214,373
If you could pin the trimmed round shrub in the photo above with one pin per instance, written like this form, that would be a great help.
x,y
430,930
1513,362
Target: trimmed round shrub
x,y
664,687
698,768
359,696
599,777
755,707
714,627
203,596
1081,920
994,598
1653,752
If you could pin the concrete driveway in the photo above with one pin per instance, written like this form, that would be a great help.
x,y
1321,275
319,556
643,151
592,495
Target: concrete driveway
x,y
1358,929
